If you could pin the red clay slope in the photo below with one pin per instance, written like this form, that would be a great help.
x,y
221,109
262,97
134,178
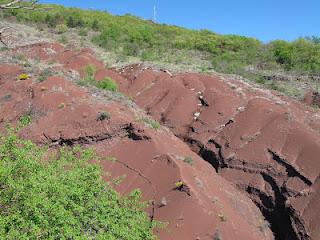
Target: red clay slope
x,y
268,145
205,207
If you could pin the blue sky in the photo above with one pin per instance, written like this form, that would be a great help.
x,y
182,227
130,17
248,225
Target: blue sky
x,y
264,19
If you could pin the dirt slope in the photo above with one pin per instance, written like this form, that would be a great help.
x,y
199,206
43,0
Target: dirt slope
x,y
204,206
267,145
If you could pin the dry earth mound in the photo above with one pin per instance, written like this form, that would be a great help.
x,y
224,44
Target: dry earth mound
x,y
268,145
184,190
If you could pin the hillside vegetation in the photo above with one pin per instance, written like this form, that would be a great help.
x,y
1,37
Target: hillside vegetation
x,y
131,36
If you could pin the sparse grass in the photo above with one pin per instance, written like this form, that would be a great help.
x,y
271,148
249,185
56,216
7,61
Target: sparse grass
x,y
111,158
119,180
188,160
6,98
45,74
151,123
20,57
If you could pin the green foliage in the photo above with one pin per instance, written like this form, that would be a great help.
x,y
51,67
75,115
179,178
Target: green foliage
x,y
103,116
24,120
108,84
83,32
43,75
131,36
188,160
89,75
61,28
314,39
63,196
151,123
89,79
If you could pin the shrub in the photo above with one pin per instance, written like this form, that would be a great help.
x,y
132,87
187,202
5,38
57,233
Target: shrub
x,y
63,196
103,116
108,84
61,28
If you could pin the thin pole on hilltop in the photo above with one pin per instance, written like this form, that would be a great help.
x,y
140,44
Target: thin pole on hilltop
x,y
155,11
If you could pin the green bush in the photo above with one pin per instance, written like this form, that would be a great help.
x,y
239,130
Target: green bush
x,y
108,84
61,28
63,196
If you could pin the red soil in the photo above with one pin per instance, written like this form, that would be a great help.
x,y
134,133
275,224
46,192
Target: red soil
x,y
267,145
205,207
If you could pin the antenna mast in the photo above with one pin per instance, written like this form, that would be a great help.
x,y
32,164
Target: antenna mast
x,y
155,11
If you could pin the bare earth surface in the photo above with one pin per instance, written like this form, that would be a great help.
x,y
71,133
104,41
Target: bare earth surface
x,y
267,145
206,206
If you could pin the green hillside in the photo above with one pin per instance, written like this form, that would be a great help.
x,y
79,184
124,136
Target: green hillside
x,y
131,36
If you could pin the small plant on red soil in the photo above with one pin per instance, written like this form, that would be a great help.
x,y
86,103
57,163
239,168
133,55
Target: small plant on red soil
x,y
108,84
103,116
61,105
151,123
222,217
188,160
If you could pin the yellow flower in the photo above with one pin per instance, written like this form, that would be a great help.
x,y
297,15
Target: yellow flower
x,y
179,184
23,76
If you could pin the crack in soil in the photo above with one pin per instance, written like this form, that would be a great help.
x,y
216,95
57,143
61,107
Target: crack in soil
x,y
284,221
126,130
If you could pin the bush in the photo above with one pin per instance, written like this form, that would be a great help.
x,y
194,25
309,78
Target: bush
x,y
61,28
108,84
63,196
